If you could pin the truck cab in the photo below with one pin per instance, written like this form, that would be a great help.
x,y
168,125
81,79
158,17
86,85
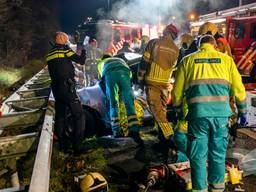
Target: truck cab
x,y
241,35
112,34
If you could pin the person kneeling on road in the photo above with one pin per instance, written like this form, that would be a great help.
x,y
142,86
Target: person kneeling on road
x,y
116,77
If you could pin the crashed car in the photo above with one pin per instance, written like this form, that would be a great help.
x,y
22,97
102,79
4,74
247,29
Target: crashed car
x,y
95,105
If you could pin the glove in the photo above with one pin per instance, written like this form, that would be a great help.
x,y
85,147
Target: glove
x,y
243,119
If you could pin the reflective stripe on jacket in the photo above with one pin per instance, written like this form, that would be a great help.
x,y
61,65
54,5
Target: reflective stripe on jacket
x,y
208,78
59,61
158,61
111,64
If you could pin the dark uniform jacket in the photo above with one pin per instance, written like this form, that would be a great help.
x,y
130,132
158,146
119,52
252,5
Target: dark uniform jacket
x,y
60,65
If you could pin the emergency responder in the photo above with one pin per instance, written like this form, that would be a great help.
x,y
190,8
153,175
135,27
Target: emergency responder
x,y
144,41
61,70
154,73
116,77
221,43
90,67
209,78
185,42
209,28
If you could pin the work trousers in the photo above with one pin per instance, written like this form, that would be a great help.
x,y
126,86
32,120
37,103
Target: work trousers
x,y
119,81
180,139
156,98
208,140
67,100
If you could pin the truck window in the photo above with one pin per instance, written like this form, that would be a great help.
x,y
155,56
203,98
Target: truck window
x,y
117,35
253,31
239,31
134,33
127,34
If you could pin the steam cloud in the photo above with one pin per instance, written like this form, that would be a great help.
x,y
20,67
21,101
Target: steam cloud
x,y
153,11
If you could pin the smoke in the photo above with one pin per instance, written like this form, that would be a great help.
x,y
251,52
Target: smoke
x,y
154,11
144,11
213,4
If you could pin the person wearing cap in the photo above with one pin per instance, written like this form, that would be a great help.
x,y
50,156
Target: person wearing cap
x,y
62,73
115,79
207,79
155,70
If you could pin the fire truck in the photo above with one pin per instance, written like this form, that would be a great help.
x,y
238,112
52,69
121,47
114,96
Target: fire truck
x,y
111,34
238,26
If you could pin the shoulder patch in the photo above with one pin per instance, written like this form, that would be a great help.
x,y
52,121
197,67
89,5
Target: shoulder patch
x,y
207,60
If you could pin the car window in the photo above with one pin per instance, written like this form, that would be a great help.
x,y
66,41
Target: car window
x,y
134,33
239,30
253,31
126,34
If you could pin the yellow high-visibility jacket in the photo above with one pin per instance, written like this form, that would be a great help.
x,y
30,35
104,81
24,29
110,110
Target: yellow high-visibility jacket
x,y
208,79
158,61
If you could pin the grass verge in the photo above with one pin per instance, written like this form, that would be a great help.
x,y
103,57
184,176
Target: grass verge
x,y
12,78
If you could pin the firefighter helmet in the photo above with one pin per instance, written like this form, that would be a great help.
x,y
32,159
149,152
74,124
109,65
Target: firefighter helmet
x,y
172,30
94,182
186,40
61,38
208,28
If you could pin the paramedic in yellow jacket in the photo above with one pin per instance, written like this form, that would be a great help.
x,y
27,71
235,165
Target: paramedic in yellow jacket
x,y
154,73
209,78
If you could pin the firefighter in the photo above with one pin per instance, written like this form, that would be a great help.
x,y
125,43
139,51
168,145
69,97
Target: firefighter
x,y
90,67
209,78
221,43
209,28
62,73
185,42
154,73
116,77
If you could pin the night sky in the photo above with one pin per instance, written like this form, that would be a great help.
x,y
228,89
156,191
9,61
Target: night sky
x,y
74,12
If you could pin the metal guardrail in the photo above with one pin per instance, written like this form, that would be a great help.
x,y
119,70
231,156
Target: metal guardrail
x,y
28,104
21,119
41,171
34,92
28,110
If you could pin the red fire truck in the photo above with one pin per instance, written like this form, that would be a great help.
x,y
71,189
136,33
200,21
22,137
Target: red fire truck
x,y
238,25
112,34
